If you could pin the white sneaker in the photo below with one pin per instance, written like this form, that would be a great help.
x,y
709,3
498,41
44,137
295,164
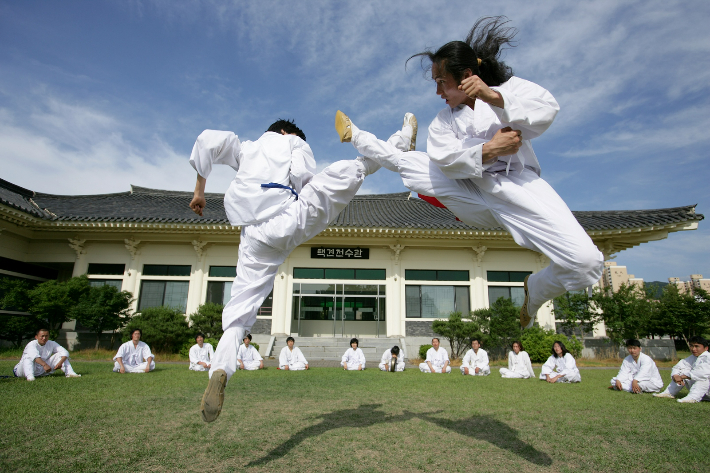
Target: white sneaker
x,y
664,394
687,399
411,121
73,375
30,378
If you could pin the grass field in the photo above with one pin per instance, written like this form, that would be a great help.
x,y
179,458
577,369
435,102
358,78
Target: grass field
x,y
329,420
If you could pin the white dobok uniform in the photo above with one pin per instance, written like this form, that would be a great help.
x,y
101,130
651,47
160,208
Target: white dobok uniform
x,y
197,354
565,366
50,353
644,371
249,356
508,193
519,366
353,358
474,360
698,368
294,359
385,361
135,358
273,220
437,359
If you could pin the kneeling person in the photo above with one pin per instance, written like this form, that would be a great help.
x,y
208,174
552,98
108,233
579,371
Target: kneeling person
x,y
291,358
247,357
134,356
353,359
475,362
693,373
437,359
388,356
638,372
42,357
201,354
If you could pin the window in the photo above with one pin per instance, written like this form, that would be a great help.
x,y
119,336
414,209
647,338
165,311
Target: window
x,y
166,270
507,276
339,273
164,293
514,293
435,275
433,302
117,283
219,292
106,269
223,271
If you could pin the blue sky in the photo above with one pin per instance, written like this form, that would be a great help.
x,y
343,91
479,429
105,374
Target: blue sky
x,y
98,95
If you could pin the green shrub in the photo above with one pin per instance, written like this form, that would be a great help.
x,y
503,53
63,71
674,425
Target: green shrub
x,y
208,320
164,329
256,345
458,332
538,343
422,351
185,349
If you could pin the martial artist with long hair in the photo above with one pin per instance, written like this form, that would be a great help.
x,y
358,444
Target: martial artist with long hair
x,y
519,365
560,367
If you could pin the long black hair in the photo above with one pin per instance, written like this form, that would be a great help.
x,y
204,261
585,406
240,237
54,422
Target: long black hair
x,y
564,350
486,41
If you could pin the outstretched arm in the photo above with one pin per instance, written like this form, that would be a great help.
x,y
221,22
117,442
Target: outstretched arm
x,y
198,202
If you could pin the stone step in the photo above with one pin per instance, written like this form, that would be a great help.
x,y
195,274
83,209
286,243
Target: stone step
x,y
331,348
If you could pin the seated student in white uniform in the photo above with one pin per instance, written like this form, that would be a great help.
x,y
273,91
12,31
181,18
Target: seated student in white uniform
x,y
560,367
280,202
437,359
692,373
353,359
248,358
387,356
519,365
475,363
291,358
201,354
638,372
134,356
42,357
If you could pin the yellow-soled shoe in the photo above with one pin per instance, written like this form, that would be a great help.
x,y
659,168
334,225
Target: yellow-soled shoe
x,y
212,400
342,126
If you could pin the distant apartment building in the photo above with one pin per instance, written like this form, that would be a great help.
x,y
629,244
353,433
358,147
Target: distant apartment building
x,y
614,276
695,281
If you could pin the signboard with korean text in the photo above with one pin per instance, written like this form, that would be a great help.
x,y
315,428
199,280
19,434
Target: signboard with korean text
x,y
340,253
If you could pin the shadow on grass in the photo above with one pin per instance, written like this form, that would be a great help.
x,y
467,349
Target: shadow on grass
x,y
478,427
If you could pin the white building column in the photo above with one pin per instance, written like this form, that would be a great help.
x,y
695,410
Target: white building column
x,y
80,264
280,315
396,309
478,289
130,283
197,278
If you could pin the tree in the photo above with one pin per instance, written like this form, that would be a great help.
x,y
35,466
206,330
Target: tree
x,y
53,301
574,310
538,343
626,313
103,308
504,326
164,329
208,320
457,331
14,296
682,315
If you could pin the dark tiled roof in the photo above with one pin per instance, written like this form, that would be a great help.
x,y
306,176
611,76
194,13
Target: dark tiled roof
x,y
381,210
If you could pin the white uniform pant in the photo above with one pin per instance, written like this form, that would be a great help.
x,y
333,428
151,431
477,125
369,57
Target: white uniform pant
x,y
294,366
424,368
472,372
521,202
506,373
27,365
698,390
575,377
139,368
250,365
646,386
196,367
353,366
386,367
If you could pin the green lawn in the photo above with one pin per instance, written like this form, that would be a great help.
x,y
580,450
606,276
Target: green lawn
x,y
327,419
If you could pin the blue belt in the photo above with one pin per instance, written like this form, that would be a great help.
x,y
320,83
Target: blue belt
x,y
273,185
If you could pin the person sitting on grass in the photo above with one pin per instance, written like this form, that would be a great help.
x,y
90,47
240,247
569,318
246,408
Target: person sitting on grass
x,y
42,357
134,356
201,354
387,357
693,373
475,362
437,359
248,358
638,373
519,365
354,358
560,367
291,358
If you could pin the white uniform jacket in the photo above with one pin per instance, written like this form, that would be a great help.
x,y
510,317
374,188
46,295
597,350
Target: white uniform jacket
x,y
133,356
474,360
437,357
34,350
457,135
248,354
701,367
520,363
204,354
684,366
273,158
353,357
387,356
644,371
288,357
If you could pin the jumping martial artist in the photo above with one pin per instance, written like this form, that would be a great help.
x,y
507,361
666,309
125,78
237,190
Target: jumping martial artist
x,y
201,354
291,358
134,356
279,204
475,362
387,356
560,367
480,163
693,373
519,365
437,359
638,372
42,357
353,359
248,357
